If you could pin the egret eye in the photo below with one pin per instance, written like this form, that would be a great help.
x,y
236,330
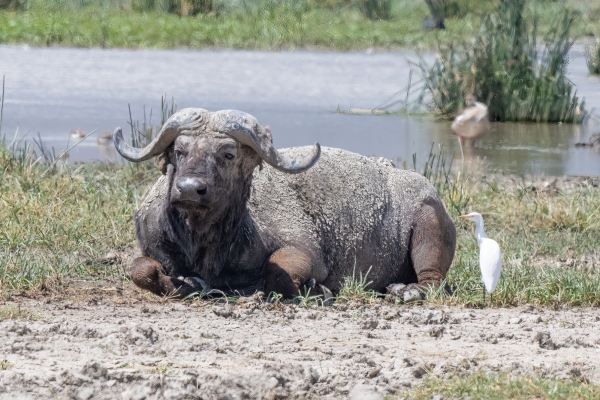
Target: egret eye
x,y
229,156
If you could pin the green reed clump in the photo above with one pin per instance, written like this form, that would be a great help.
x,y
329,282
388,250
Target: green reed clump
x,y
592,58
504,68
438,170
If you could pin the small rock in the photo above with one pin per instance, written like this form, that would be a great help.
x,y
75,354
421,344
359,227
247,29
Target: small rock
x,y
364,392
544,340
272,383
409,361
94,370
384,325
436,331
224,312
419,371
437,397
374,372
86,393
436,317
515,321
369,324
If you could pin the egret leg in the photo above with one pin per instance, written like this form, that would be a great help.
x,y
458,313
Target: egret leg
x,y
484,294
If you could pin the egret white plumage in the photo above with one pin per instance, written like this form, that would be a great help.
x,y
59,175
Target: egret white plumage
x,y
490,256
471,122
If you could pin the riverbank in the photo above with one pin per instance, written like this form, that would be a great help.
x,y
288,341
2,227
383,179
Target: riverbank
x,y
266,26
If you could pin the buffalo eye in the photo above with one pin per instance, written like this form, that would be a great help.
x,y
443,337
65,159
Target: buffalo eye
x,y
179,154
229,156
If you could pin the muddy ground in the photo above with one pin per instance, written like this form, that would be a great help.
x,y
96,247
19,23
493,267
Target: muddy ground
x,y
106,341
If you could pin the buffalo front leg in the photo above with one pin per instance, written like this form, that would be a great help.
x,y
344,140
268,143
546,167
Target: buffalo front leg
x,y
148,274
286,271
433,243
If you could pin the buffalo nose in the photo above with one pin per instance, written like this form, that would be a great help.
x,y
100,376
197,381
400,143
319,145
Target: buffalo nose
x,y
190,187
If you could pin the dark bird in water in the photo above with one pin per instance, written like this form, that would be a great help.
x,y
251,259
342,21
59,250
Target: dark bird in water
x,y
430,23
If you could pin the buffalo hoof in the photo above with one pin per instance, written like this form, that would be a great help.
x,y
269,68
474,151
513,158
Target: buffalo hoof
x,y
148,274
198,284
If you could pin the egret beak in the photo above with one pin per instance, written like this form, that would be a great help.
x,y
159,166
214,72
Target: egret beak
x,y
463,216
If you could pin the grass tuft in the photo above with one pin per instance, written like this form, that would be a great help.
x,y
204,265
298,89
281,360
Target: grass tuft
x,y
504,386
17,313
355,287
5,365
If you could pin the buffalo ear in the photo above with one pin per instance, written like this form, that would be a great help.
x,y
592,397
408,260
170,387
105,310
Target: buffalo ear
x,y
164,159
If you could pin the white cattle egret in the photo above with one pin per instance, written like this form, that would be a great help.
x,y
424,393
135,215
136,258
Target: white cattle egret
x,y
471,122
490,256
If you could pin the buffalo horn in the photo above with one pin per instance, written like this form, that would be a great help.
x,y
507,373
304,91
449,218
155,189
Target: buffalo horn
x,y
188,119
233,124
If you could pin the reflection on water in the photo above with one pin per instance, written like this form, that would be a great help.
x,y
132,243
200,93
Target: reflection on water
x,y
293,92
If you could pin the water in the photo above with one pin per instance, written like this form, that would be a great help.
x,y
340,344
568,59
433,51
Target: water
x,y
54,90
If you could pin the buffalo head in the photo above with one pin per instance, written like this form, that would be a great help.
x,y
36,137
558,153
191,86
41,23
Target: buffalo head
x,y
210,157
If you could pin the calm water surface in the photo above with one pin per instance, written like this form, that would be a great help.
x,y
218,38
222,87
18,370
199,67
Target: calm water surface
x,y
54,90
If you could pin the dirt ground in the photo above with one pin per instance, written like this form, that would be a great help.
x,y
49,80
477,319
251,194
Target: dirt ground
x,y
117,343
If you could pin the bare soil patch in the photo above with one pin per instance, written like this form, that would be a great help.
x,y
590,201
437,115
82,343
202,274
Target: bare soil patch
x,y
107,341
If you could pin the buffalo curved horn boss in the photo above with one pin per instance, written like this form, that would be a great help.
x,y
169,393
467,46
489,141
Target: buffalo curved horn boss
x,y
238,125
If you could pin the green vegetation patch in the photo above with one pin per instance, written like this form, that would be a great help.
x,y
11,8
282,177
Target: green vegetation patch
x,y
64,221
548,238
259,24
504,386
17,313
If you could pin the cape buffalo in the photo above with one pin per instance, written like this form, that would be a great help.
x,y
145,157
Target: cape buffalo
x,y
214,220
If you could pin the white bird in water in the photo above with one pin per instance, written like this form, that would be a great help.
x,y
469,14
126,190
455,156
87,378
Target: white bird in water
x,y
77,134
490,256
471,122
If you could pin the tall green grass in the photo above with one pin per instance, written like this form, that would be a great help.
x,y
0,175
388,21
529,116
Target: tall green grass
x,y
504,68
592,58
